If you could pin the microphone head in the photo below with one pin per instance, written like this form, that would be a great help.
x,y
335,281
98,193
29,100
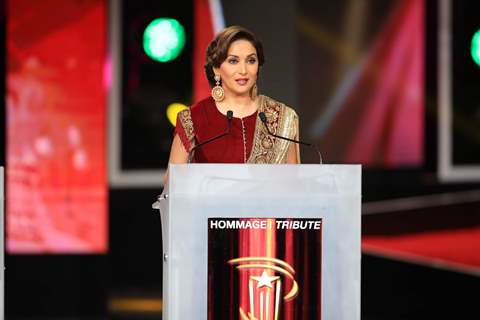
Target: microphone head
x,y
229,114
262,116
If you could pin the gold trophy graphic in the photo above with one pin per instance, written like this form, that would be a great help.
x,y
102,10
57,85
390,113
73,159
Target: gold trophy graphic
x,y
264,291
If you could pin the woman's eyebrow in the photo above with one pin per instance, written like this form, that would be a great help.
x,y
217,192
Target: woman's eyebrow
x,y
235,56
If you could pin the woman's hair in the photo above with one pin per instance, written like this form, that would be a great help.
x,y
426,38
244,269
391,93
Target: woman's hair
x,y
217,50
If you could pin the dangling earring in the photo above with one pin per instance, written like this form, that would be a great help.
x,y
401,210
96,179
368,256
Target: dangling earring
x,y
217,92
254,92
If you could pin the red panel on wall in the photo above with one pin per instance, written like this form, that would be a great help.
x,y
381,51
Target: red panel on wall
x,y
381,122
56,127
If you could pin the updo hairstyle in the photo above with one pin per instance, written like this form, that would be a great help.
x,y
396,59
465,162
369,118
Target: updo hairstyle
x,y
217,50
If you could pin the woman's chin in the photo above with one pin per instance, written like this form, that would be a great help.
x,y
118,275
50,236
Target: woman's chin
x,y
241,92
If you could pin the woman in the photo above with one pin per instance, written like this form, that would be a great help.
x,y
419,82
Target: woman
x,y
233,61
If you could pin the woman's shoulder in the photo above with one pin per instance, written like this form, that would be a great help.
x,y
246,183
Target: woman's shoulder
x,y
202,104
195,109
270,103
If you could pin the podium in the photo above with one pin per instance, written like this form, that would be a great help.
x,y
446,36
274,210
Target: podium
x,y
261,242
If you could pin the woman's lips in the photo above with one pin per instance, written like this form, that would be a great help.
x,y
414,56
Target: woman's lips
x,y
242,82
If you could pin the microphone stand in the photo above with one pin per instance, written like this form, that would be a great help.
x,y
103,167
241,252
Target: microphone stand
x,y
263,118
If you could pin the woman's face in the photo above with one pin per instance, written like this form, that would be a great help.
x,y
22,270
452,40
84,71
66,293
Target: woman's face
x,y
239,70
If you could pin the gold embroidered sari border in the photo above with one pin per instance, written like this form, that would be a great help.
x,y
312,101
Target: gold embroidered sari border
x,y
282,121
186,121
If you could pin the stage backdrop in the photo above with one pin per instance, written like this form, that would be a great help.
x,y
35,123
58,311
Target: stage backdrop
x,y
56,123
361,83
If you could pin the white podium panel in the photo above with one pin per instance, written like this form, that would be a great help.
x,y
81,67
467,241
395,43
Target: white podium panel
x,y
197,192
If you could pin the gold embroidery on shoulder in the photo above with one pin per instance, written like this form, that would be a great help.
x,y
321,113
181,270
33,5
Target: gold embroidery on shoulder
x,y
187,124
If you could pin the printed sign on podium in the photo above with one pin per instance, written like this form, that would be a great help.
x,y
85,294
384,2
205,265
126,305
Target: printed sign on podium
x,y
257,267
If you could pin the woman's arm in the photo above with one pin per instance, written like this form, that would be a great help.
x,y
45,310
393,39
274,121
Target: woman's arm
x,y
178,155
293,154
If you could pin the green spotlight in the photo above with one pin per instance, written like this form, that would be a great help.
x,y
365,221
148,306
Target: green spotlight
x,y
475,49
163,39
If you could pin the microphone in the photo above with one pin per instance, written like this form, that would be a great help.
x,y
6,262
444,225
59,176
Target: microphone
x,y
227,131
263,117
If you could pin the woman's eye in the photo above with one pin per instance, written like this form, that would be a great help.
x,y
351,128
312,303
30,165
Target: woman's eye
x,y
232,61
252,61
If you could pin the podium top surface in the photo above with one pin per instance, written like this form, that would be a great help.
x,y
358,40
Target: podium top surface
x,y
281,179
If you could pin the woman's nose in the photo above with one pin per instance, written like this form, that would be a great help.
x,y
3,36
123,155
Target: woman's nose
x,y
243,68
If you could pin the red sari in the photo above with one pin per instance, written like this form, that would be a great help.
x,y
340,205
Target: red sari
x,y
210,122
248,140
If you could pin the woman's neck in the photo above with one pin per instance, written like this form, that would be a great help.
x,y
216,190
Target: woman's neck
x,y
240,105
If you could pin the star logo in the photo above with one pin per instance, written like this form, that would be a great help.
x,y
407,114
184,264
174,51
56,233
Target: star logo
x,y
265,291
265,280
